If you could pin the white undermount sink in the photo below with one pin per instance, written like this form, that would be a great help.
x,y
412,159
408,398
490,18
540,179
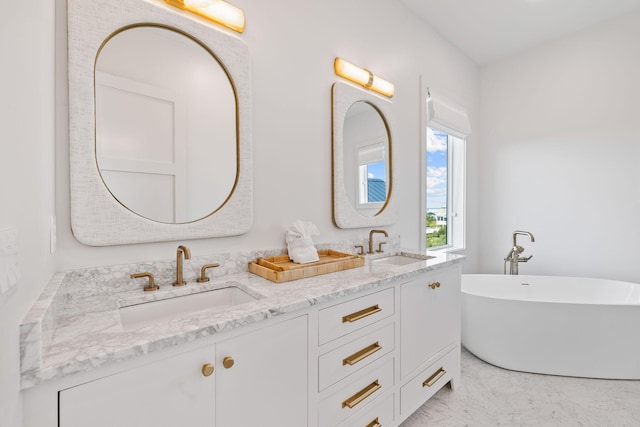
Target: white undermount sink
x,y
400,259
142,314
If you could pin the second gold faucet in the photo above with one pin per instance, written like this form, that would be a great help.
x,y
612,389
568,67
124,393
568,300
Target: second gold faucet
x,y
182,251
371,233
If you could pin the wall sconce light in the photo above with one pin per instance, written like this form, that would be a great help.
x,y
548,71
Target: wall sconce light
x,y
217,11
363,77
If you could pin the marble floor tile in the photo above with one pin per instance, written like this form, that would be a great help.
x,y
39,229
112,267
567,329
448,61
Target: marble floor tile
x,y
491,396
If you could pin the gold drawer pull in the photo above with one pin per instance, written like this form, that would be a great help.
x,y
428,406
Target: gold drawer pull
x,y
362,394
207,369
434,285
434,378
374,423
362,354
361,314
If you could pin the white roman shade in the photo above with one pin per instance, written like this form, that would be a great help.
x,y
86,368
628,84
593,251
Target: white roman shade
x,y
447,115
369,154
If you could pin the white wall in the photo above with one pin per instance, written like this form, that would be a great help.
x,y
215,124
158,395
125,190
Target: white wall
x,y
561,146
26,171
292,46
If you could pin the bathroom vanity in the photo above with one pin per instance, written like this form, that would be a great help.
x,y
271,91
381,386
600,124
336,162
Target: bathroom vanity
x,y
361,347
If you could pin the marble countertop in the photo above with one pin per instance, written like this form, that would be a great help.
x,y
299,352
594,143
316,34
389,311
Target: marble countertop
x,y
75,325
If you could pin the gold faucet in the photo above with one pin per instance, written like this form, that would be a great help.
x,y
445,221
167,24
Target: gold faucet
x,y
203,272
151,285
371,233
182,250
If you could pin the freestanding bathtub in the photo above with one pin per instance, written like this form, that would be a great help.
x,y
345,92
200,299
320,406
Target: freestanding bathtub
x,y
553,325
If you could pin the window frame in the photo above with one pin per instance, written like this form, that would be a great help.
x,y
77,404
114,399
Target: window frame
x,y
456,177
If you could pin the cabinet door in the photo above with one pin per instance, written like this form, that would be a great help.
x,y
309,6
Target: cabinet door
x,y
430,317
171,392
267,384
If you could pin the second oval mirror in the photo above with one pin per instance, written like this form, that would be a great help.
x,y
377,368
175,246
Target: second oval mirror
x,y
166,125
366,152
362,158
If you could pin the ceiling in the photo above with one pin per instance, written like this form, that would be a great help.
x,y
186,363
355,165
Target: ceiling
x,y
487,30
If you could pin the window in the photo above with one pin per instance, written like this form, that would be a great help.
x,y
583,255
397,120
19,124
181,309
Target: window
x,y
373,185
442,150
372,175
447,127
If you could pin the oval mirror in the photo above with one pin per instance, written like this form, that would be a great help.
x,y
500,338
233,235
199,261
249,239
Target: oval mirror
x,y
166,125
366,154
363,170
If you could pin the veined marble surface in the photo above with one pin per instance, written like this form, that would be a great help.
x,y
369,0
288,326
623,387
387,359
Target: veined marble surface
x,y
75,324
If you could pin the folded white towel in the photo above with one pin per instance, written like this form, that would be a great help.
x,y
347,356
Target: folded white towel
x,y
299,243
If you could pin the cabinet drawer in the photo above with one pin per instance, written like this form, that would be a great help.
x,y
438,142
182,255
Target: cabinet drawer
x,y
341,319
356,394
349,358
374,415
421,387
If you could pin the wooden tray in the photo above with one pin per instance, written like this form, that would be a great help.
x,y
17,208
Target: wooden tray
x,y
281,269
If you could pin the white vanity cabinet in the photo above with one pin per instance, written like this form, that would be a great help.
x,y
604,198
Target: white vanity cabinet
x,y
429,336
259,378
356,349
430,317
383,354
369,358
169,392
267,384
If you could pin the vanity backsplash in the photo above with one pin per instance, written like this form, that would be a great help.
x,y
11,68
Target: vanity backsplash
x,y
115,278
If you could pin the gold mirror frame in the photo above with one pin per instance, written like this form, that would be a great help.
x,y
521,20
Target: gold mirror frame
x,y
97,219
218,166
345,215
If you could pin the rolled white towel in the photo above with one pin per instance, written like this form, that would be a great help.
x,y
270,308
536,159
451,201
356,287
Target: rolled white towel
x,y
299,243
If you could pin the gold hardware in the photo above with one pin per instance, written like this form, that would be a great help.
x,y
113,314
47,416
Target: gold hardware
x,y
361,314
151,286
434,378
360,249
228,362
434,285
362,394
371,233
374,423
207,369
182,250
362,354
203,271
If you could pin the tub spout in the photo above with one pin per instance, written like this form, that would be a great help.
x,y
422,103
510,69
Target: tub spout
x,y
523,233
513,257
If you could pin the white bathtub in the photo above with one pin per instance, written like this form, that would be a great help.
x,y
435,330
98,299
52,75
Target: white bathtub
x,y
553,325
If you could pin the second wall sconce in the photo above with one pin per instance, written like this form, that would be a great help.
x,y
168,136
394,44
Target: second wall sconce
x,y
217,11
363,77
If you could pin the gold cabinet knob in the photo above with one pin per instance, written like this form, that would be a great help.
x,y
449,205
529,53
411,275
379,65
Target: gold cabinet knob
x,y
207,369
228,362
